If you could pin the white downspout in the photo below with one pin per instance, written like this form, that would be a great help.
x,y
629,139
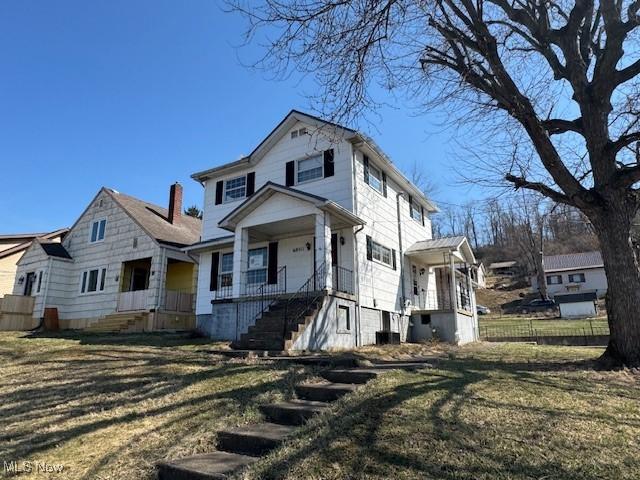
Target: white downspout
x,y
46,287
356,258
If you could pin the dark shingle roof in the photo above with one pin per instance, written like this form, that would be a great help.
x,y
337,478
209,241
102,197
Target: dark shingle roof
x,y
572,261
23,246
153,219
575,297
55,249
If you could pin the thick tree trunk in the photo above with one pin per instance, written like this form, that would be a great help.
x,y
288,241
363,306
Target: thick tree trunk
x,y
623,294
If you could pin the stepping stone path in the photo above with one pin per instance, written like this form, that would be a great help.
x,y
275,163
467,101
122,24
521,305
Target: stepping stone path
x,y
239,447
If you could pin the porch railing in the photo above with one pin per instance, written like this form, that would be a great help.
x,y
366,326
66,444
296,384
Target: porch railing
x,y
299,302
177,301
264,296
131,301
343,280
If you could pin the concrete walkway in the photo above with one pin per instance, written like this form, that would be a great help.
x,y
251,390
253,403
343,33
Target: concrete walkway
x,y
239,447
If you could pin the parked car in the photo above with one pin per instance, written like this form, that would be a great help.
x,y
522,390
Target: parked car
x,y
482,310
539,305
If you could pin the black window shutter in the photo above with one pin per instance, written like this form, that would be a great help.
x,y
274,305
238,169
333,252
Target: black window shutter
x,y
422,212
365,161
251,183
215,262
290,174
369,248
219,187
334,249
410,203
272,266
328,163
384,184
393,258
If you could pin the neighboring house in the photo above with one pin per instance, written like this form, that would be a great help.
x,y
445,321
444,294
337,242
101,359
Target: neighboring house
x,y
573,272
120,267
12,247
316,240
504,269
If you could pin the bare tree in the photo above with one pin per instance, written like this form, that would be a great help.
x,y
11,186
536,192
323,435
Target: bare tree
x,y
559,78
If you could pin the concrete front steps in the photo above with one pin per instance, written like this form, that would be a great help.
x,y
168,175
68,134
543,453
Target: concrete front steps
x,y
239,447
126,322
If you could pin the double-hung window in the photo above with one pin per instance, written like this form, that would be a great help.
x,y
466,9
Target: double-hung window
x,y
93,280
577,278
235,188
416,211
375,178
257,271
226,270
97,230
310,168
381,253
554,279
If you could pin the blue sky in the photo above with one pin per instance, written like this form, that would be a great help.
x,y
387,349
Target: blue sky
x,y
138,94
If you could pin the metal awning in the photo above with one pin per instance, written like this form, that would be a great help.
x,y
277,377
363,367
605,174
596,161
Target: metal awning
x,y
437,252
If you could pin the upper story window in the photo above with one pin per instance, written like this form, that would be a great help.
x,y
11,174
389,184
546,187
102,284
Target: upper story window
x,y
381,253
375,178
235,188
416,211
554,279
310,168
97,230
577,278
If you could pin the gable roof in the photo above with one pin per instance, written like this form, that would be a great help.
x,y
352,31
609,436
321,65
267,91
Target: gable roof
x,y
54,249
435,246
269,189
572,261
23,246
154,220
358,139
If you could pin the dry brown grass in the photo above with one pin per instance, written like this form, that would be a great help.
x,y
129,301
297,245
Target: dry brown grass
x,y
110,408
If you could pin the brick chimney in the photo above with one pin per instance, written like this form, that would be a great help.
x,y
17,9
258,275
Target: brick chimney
x,y
175,202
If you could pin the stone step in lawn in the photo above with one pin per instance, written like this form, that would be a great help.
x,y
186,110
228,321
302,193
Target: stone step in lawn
x,y
323,392
208,466
295,412
255,439
349,375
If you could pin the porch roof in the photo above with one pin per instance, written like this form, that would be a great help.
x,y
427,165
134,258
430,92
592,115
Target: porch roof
x,y
264,193
205,245
432,252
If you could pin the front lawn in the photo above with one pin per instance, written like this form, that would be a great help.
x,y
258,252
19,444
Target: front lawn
x,y
110,407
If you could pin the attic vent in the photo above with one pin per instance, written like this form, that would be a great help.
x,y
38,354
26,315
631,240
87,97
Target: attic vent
x,y
100,203
294,134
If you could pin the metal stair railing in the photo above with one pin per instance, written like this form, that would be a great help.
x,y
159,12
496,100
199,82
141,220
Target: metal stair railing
x,y
307,294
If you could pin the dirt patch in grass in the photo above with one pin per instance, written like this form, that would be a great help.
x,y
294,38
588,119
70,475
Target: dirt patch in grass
x,y
110,407
485,411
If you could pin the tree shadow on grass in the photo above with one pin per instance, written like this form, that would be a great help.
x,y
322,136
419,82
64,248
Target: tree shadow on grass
x,y
379,432
151,339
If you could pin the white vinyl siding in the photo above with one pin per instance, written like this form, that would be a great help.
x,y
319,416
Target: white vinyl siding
x,y
235,189
310,169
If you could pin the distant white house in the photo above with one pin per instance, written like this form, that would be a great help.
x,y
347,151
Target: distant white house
x,y
573,273
119,267
507,268
316,241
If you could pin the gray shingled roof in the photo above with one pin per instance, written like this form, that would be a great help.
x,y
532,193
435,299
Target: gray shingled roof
x,y
153,219
55,249
508,264
435,243
572,261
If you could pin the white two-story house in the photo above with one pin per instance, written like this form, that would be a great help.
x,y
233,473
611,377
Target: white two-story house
x,y
316,241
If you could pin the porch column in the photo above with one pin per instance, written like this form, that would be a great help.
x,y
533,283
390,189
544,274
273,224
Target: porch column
x,y
452,283
240,259
323,250
472,302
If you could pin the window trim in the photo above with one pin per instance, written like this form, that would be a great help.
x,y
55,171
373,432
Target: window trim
x,y
104,232
371,168
414,206
320,156
222,274
559,277
263,268
375,244
224,189
347,328
580,274
101,280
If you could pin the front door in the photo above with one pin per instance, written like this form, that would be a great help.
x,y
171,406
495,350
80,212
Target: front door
x,y
28,283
